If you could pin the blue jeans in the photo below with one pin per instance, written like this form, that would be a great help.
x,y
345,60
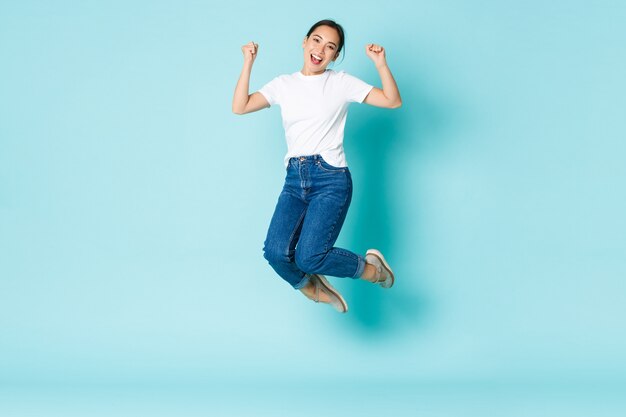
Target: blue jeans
x,y
307,220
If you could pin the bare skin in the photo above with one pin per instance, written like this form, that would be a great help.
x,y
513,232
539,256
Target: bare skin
x,y
369,273
309,291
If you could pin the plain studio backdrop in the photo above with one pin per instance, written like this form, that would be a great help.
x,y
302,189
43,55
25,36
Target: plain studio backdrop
x,y
134,205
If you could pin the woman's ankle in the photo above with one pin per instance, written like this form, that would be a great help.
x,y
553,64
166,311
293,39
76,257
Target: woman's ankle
x,y
369,273
308,289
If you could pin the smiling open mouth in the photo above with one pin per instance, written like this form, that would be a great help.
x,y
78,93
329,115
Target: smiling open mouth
x,y
315,59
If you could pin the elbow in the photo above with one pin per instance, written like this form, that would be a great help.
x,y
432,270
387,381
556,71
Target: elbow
x,y
239,105
394,103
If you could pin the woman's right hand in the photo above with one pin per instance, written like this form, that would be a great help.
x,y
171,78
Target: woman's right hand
x,y
249,51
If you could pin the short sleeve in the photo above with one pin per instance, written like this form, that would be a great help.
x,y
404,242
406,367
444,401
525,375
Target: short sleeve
x,y
355,88
271,91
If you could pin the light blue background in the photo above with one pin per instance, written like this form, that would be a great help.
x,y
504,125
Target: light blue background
x,y
134,204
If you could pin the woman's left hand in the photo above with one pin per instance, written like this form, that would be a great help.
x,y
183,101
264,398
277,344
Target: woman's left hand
x,y
376,54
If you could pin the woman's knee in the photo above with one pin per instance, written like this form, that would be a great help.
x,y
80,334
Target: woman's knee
x,y
274,254
308,262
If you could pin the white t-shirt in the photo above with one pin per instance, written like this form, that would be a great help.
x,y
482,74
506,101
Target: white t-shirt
x,y
314,110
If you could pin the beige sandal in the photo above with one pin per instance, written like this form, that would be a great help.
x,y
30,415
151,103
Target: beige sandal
x,y
385,278
321,284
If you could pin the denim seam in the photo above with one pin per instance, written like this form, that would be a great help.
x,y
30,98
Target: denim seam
x,y
326,249
345,253
293,232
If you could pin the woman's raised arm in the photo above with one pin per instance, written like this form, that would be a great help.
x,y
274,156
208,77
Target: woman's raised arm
x,y
243,102
389,96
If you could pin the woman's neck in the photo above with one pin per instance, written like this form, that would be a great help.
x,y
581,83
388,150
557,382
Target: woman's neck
x,y
308,73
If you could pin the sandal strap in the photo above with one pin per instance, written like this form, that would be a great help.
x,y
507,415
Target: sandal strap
x,y
381,278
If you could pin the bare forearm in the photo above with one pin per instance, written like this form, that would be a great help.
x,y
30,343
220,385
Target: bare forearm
x,y
240,98
390,88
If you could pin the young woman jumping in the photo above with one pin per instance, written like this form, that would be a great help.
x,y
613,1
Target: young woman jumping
x,y
314,201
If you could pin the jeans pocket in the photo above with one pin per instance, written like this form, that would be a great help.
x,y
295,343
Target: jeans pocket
x,y
325,166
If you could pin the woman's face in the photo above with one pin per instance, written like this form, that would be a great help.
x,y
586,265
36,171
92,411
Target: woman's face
x,y
320,49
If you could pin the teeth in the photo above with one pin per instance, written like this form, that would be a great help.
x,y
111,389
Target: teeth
x,y
316,57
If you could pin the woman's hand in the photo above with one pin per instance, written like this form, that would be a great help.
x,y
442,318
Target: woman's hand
x,y
249,51
376,54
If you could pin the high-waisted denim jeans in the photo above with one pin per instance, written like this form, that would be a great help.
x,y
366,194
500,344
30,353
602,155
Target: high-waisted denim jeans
x,y
307,220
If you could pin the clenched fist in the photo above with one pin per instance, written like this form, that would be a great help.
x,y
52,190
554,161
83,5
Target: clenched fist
x,y
376,53
249,51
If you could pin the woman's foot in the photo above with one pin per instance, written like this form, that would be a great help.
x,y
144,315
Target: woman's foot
x,y
377,269
319,290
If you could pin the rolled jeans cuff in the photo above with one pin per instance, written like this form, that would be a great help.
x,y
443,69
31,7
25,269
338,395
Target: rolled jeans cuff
x,y
360,267
305,280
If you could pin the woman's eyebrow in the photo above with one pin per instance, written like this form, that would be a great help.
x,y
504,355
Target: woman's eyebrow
x,y
323,38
